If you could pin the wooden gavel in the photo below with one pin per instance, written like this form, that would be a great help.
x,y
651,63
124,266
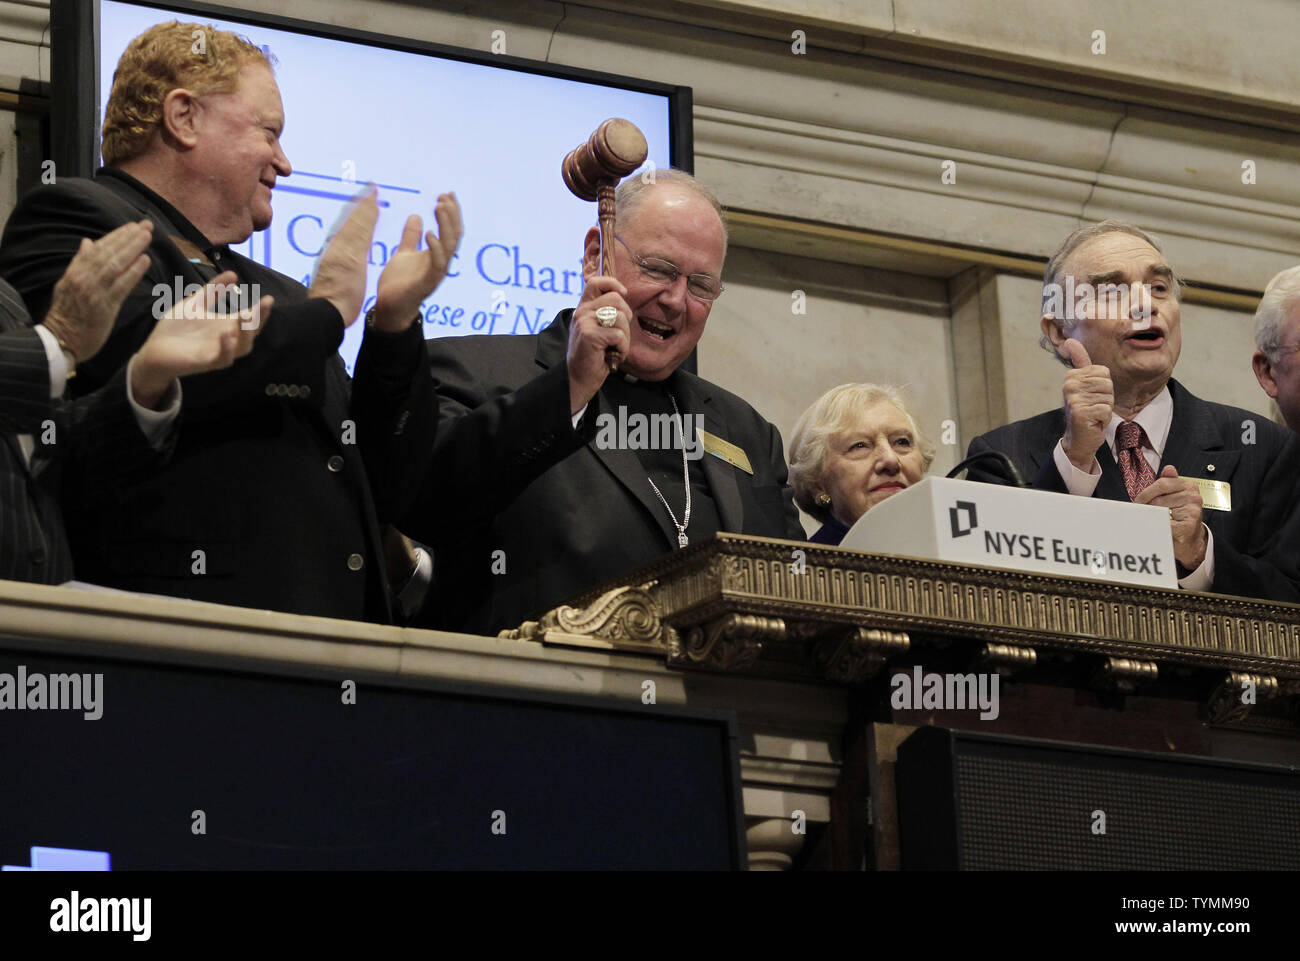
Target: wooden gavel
x,y
593,170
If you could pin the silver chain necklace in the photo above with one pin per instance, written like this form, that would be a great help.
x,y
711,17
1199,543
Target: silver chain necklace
x,y
682,539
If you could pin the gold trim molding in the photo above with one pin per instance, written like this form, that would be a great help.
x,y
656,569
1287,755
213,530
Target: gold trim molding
x,y
753,605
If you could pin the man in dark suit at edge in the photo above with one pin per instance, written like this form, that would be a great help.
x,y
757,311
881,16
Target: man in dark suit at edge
x,y
530,494
120,432
266,502
1128,431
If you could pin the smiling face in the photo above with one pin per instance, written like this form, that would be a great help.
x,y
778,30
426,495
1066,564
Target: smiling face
x,y
675,224
876,457
237,157
1141,353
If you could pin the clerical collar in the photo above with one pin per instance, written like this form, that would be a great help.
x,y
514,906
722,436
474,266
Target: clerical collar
x,y
633,381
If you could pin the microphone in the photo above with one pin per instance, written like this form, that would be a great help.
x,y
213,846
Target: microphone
x,y
1009,473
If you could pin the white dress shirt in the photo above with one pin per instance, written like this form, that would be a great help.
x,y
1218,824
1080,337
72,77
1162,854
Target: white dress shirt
x,y
1155,420
155,424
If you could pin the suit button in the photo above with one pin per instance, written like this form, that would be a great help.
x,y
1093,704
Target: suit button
x,y
271,390
356,562
335,463
304,391
292,390
36,555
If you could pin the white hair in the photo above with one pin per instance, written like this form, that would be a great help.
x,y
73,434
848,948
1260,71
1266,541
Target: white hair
x,y
1281,294
831,413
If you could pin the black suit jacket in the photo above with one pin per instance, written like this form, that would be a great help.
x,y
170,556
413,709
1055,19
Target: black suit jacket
x,y
266,480
1257,543
96,434
509,473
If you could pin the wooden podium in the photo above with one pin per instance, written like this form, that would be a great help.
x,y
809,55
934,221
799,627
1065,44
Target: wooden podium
x,y
1083,661
790,646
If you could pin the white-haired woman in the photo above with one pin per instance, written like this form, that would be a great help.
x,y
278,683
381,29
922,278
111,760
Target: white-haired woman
x,y
856,445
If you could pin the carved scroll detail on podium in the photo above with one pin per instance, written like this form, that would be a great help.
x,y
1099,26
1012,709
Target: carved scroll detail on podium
x,y
625,618
728,643
858,653
1238,694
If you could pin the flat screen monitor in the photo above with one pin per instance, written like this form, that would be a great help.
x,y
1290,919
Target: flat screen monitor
x,y
416,119
160,766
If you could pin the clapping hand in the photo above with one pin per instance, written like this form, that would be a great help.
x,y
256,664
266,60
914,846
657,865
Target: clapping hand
x,y
193,338
412,274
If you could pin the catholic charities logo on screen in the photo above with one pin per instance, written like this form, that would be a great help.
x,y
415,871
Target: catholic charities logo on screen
x,y
962,518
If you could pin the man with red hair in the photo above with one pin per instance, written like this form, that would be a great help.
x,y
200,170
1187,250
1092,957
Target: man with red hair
x,y
266,502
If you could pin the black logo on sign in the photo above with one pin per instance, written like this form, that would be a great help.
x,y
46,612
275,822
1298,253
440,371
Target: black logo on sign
x,y
955,518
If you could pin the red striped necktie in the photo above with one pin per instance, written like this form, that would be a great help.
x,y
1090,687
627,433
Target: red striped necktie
x,y
1138,475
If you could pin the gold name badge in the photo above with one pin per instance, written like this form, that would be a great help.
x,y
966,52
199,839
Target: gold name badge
x,y
1215,495
724,450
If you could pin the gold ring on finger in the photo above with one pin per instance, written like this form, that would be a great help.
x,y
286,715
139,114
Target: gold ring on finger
x,y
608,316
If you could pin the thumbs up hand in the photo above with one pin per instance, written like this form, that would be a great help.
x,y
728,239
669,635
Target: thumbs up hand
x,y
1089,397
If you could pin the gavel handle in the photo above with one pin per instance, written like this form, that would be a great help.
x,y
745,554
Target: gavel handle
x,y
605,199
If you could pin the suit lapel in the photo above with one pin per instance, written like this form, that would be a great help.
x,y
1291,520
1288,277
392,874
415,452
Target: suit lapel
x,y
553,341
627,470
1195,442
137,203
1111,486
552,347
1040,447
11,440
692,394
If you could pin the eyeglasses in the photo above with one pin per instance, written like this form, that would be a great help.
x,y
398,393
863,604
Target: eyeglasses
x,y
703,287
1280,350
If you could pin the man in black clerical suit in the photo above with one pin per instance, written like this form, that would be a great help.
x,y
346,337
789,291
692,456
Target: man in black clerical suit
x,y
1128,431
266,502
532,492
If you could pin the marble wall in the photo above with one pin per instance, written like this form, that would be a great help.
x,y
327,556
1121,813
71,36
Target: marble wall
x,y
827,126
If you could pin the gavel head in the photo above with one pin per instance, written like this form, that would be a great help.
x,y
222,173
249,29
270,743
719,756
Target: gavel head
x,y
610,154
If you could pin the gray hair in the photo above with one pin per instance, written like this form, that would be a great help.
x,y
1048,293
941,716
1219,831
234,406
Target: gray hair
x,y
1282,293
830,414
632,191
1053,275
